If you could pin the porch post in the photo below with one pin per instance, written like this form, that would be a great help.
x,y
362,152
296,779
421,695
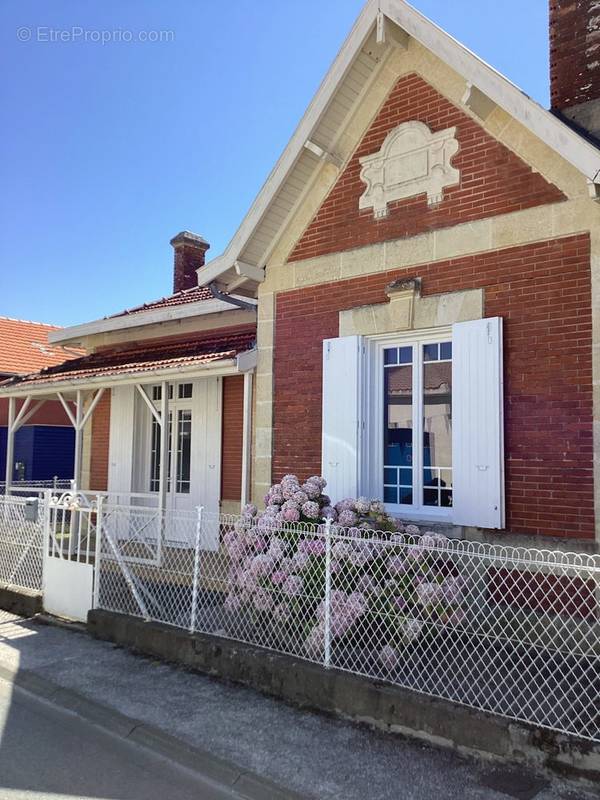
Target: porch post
x,y
164,446
246,437
10,444
78,430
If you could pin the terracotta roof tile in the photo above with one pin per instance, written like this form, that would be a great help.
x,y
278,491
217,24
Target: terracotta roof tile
x,y
144,358
24,346
194,295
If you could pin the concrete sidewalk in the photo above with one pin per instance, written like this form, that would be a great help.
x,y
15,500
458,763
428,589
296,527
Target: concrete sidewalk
x,y
258,743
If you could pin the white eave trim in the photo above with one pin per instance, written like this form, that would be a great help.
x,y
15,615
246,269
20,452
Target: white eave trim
x,y
551,130
141,318
243,362
343,61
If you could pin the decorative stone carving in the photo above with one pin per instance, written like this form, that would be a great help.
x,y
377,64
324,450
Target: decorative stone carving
x,y
412,160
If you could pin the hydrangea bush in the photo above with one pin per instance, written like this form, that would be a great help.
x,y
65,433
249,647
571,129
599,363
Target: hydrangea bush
x,y
389,589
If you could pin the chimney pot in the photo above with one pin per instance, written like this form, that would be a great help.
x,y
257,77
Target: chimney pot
x,y
190,251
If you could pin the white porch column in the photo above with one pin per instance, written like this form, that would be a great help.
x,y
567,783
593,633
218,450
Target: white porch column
x,y
78,431
246,437
10,443
163,473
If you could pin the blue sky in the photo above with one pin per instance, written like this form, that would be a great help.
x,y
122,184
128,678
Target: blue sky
x,y
110,149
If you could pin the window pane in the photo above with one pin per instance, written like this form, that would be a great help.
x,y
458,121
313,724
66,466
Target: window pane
x,y
184,391
397,433
155,455
184,433
390,494
390,355
430,352
405,355
156,393
437,432
446,351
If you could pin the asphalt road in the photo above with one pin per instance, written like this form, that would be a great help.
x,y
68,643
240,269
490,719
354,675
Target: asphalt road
x,y
49,753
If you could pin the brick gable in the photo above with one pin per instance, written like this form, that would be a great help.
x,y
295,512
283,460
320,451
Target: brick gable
x,y
543,292
493,180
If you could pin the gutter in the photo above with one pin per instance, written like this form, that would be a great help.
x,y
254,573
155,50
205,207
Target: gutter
x,y
228,298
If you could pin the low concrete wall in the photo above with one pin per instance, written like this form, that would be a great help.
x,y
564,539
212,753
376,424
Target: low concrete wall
x,y
380,705
23,602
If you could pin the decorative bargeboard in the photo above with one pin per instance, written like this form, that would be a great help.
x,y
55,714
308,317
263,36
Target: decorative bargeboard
x,y
412,160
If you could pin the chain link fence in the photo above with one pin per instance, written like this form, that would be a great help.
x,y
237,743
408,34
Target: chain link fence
x,y
513,631
21,543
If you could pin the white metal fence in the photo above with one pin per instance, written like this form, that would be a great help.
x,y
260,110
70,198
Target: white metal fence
x,y
21,543
35,487
513,631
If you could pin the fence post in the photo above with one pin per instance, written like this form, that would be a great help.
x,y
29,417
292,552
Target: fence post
x,y
327,617
97,550
196,578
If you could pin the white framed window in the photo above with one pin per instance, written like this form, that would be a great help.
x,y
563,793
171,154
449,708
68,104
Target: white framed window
x,y
416,419
410,430
180,439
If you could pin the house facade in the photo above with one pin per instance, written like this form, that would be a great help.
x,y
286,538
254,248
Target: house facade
x,y
43,443
410,307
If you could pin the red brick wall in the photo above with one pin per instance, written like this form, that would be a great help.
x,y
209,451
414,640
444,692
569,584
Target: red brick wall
x,y
543,293
99,446
231,437
493,180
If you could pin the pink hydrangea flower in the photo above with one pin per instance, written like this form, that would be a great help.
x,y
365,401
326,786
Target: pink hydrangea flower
x,y
389,657
341,549
411,530
411,629
362,506
310,509
311,490
414,552
396,565
347,518
301,560
279,577
367,584
249,510
290,515
452,590
313,547
429,593
293,586
300,497
276,548
262,600
261,565
345,505
400,603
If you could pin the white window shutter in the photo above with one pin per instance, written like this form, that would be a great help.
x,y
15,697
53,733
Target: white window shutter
x,y
120,448
342,425
477,423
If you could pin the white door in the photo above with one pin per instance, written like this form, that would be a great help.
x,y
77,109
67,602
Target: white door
x,y
194,473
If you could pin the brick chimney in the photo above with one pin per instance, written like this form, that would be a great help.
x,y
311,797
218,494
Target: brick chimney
x,y
190,250
575,61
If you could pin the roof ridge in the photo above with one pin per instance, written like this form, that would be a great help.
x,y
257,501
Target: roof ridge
x,y
30,322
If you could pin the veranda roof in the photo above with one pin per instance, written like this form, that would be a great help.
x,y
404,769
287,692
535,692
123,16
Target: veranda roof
x,y
144,358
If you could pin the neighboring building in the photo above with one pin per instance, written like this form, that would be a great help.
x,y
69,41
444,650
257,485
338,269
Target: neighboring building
x,y
425,258
43,447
